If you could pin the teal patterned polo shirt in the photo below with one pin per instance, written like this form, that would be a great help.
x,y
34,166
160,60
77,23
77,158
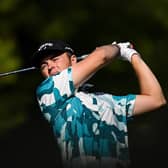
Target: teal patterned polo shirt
x,y
89,127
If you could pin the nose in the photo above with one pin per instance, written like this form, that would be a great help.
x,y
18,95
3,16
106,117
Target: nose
x,y
50,65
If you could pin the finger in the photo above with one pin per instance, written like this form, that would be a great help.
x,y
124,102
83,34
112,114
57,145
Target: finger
x,y
131,45
114,42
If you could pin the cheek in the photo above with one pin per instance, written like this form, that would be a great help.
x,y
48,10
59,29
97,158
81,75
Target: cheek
x,y
68,63
44,73
64,64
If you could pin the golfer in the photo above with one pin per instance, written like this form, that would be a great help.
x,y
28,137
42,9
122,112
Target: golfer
x,y
91,128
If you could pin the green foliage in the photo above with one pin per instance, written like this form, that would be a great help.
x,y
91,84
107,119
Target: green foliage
x,y
85,24
8,5
8,58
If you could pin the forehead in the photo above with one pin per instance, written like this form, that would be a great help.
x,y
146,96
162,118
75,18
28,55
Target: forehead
x,y
50,56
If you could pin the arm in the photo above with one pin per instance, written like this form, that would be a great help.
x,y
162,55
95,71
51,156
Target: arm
x,y
84,69
151,95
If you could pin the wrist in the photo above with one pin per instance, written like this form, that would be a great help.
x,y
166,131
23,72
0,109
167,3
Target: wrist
x,y
117,48
116,45
135,57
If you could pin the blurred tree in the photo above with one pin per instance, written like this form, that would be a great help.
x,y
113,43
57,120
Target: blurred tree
x,y
85,25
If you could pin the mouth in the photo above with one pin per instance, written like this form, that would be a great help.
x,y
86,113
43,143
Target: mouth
x,y
53,72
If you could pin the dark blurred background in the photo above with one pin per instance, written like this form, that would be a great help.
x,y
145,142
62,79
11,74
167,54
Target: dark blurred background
x,y
26,139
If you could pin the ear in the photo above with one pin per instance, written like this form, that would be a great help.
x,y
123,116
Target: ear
x,y
73,59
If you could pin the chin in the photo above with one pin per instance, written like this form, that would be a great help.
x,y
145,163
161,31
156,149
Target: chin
x,y
53,73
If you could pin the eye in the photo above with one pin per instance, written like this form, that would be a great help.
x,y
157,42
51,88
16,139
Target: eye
x,y
55,59
43,66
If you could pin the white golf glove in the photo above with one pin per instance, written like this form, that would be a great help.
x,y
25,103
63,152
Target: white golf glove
x,y
126,51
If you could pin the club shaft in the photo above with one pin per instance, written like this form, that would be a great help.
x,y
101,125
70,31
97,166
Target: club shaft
x,y
17,71
32,68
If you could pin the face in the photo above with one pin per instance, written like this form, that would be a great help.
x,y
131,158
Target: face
x,y
54,64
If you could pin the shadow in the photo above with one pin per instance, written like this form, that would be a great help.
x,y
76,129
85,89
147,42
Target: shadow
x,y
30,145
148,139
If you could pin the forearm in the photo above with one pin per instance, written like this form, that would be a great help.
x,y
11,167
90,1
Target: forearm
x,y
101,56
110,52
149,85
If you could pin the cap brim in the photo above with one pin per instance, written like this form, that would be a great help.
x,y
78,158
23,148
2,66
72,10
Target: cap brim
x,y
39,55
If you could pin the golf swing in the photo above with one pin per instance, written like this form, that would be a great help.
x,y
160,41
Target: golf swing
x,y
91,128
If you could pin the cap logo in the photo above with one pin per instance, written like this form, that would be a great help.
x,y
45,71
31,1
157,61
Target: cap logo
x,y
44,46
68,48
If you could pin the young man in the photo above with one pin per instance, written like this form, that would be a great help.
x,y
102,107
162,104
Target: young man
x,y
91,128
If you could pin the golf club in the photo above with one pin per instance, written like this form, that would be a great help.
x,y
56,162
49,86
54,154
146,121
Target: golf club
x,y
33,68
17,71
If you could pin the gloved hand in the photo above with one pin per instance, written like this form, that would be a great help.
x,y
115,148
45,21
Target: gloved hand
x,y
126,50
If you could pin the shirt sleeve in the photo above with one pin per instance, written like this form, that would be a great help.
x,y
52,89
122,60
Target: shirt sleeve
x,y
56,89
125,104
130,102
